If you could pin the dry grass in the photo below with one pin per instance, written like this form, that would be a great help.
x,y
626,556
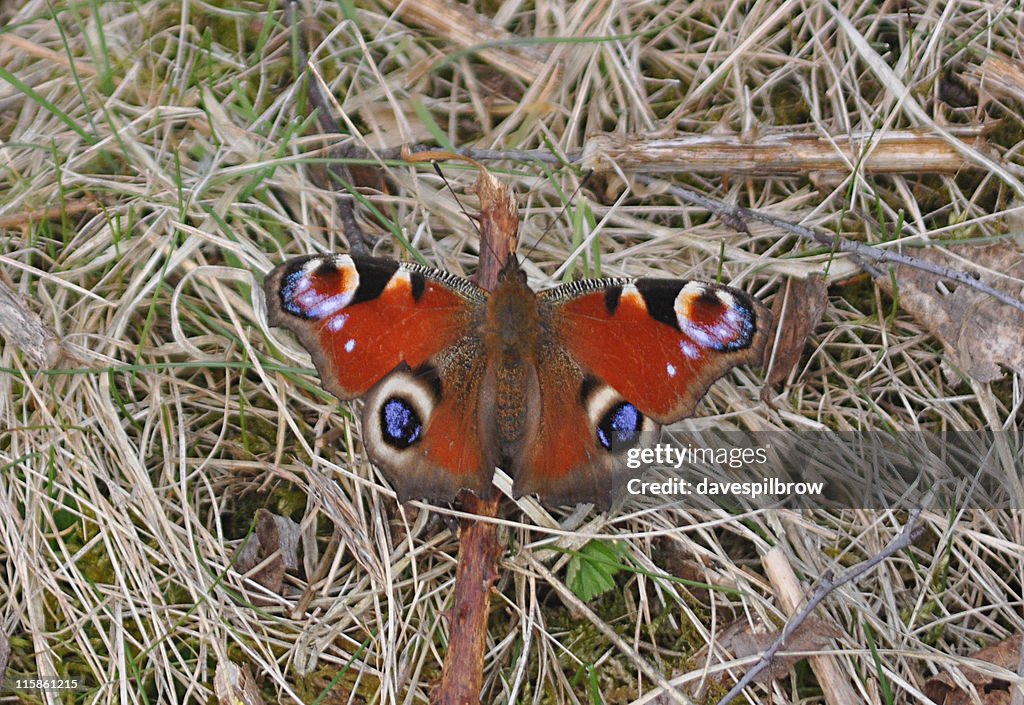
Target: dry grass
x,y
170,140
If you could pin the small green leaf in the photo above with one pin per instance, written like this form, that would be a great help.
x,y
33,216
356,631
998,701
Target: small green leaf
x,y
591,572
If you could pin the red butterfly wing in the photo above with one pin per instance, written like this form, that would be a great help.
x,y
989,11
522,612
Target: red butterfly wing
x,y
579,428
359,318
404,336
622,357
660,343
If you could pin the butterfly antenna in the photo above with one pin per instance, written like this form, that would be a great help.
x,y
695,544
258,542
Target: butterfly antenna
x,y
572,197
437,168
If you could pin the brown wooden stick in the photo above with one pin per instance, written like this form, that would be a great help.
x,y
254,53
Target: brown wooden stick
x,y
893,152
476,569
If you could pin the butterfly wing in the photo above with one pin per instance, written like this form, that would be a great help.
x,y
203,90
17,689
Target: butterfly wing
x,y
578,430
405,337
644,353
660,343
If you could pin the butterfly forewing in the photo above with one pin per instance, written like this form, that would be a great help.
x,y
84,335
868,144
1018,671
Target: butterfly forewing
x,y
359,318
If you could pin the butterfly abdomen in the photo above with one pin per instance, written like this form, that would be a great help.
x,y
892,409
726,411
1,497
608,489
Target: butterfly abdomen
x,y
511,330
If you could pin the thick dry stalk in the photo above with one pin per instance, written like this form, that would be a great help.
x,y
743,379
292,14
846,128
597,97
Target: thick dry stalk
x,y
476,571
899,151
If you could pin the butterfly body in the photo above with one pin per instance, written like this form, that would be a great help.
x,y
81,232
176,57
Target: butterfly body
x,y
511,332
554,387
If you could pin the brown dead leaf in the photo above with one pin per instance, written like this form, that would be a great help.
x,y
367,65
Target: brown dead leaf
x,y
682,565
813,635
739,640
979,332
235,685
798,309
275,545
984,688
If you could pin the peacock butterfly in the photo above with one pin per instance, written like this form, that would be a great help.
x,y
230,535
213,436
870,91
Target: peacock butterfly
x,y
553,386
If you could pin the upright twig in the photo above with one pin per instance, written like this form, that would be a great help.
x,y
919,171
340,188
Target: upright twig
x,y
477,564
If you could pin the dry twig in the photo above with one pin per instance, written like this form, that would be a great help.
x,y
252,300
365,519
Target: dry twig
x,y
824,588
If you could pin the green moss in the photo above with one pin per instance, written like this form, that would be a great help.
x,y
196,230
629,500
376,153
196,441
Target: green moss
x,y
332,685
788,105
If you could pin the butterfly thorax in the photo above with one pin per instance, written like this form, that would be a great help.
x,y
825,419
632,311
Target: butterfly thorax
x,y
511,330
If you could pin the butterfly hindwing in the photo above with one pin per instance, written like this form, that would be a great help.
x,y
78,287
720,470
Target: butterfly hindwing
x,y
405,337
581,429
428,443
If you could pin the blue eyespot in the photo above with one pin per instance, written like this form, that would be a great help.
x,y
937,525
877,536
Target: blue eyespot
x,y
316,288
400,425
620,427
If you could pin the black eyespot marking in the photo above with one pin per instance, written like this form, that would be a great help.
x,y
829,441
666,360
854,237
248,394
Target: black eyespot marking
x,y
660,297
587,387
418,283
400,425
374,275
619,429
709,298
427,374
612,295
327,268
